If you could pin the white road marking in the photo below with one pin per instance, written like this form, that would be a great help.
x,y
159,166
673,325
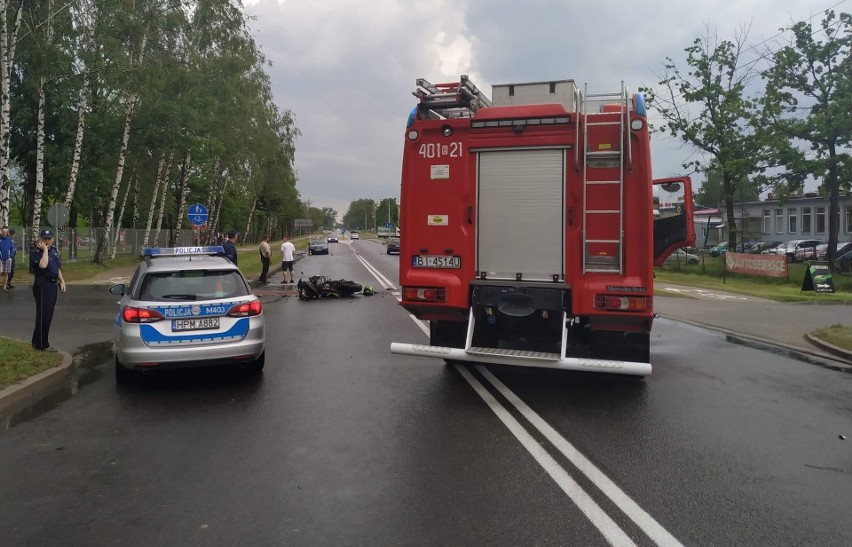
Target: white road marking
x,y
646,522
611,531
608,527
383,281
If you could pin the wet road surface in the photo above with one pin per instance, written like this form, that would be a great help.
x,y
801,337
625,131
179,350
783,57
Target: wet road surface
x,y
340,442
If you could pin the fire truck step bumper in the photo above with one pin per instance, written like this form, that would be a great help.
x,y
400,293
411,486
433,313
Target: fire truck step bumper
x,y
523,358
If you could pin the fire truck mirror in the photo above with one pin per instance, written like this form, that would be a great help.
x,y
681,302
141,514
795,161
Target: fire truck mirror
x,y
671,187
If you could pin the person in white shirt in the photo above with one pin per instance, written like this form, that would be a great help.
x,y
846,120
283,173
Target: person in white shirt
x,y
287,250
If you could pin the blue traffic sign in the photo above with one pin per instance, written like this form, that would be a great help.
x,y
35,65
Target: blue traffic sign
x,y
197,214
389,225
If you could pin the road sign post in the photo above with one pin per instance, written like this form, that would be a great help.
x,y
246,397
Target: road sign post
x,y
197,215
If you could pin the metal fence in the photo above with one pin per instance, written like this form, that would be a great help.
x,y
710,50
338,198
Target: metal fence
x,y
81,243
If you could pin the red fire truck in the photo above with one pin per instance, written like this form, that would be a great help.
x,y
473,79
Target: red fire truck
x,y
528,228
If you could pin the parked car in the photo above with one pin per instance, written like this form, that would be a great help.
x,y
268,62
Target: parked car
x,y
719,250
843,247
758,247
318,247
393,245
680,256
789,249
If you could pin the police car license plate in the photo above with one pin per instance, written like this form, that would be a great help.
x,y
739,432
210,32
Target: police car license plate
x,y
436,261
200,323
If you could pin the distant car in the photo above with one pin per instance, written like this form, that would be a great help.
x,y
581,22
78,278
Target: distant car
x,y
318,247
719,250
332,238
789,249
843,247
393,246
354,235
760,246
681,257
186,307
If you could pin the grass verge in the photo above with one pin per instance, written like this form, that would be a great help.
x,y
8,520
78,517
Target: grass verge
x,y
708,275
837,335
19,361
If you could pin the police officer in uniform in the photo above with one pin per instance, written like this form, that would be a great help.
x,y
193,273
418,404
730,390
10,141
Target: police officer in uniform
x,y
45,263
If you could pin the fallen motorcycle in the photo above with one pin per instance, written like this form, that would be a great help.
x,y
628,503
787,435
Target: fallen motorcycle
x,y
320,286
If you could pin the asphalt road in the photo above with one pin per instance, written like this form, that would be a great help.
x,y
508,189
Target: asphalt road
x,y
340,442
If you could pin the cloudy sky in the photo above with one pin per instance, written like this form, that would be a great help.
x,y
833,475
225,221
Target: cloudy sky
x,y
347,68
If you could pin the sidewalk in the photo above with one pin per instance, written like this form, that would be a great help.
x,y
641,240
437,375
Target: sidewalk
x,y
756,319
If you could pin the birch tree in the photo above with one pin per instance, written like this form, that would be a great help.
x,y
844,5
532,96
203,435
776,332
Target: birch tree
x,y
8,45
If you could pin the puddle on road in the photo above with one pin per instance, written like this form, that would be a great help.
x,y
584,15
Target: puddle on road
x,y
83,371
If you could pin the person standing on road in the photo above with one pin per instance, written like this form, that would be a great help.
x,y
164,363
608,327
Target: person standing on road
x,y
230,247
45,263
265,256
7,250
287,251
14,254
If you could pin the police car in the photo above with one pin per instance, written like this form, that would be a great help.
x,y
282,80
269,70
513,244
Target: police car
x,y
186,307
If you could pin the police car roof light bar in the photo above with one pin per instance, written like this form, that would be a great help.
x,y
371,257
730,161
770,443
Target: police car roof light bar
x,y
153,252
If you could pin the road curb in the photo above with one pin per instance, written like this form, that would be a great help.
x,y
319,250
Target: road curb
x,y
21,395
840,352
841,363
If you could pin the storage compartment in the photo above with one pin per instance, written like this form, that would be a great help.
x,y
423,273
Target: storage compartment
x,y
562,92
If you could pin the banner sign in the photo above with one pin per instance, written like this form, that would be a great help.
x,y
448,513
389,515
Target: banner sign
x,y
765,265
304,223
818,278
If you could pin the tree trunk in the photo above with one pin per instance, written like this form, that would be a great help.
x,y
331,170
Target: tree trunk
x,y
181,197
120,217
219,202
157,184
833,205
156,241
251,214
8,41
119,173
39,173
731,221
78,141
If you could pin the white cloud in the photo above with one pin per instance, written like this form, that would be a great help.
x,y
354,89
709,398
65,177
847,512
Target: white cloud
x,y
347,69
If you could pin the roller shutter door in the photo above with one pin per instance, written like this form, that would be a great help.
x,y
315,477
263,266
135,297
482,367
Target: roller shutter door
x,y
520,214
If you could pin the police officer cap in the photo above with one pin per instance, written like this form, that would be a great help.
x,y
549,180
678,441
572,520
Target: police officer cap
x,y
46,233
12,232
231,234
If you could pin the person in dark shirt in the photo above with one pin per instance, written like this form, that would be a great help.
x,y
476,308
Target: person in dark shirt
x,y
230,247
7,251
47,267
14,253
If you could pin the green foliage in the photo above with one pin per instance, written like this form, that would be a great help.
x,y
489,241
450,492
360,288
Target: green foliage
x,y
198,82
708,109
808,101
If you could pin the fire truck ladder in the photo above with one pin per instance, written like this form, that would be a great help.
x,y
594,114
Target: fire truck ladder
x,y
603,252
450,100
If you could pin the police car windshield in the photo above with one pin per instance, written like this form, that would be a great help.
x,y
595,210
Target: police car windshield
x,y
191,285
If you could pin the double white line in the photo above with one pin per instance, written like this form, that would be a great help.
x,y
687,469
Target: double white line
x,y
611,531
383,281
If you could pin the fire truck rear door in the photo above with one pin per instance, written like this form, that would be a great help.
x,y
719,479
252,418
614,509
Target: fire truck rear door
x,y
520,214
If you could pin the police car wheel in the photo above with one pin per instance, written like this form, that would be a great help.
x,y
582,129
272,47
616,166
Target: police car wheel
x,y
257,366
122,375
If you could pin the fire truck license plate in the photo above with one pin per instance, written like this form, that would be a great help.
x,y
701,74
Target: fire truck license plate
x,y
436,261
202,323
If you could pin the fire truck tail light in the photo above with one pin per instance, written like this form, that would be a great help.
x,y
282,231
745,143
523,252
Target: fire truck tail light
x,y
131,314
246,309
425,294
620,303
